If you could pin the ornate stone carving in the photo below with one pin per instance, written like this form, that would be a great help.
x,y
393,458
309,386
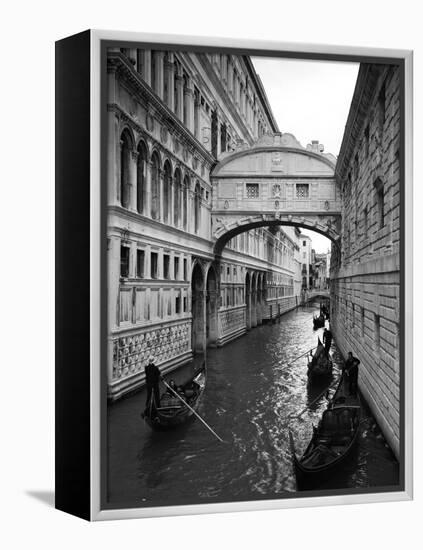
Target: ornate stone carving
x,y
131,353
276,190
176,145
150,122
164,134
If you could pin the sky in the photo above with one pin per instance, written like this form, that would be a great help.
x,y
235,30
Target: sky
x,y
310,99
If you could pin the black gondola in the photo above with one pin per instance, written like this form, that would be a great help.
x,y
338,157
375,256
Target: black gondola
x,y
172,412
320,364
333,439
318,321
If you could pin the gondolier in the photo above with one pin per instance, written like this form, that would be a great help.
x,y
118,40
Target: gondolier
x,y
327,340
152,379
351,370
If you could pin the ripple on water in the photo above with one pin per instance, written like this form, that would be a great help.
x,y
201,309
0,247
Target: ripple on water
x,y
256,390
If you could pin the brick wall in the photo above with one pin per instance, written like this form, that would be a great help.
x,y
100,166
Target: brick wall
x,y
365,276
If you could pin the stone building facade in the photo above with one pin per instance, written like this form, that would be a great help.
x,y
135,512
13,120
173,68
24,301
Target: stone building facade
x,y
306,261
365,268
171,116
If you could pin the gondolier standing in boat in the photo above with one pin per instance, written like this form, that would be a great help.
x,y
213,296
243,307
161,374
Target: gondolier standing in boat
x,y
152,379
351,370
327,340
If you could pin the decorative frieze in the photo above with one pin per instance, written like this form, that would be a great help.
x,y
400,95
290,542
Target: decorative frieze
x,y
131,352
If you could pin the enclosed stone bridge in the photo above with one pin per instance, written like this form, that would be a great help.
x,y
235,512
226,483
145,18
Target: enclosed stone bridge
x,y
275,182
316,294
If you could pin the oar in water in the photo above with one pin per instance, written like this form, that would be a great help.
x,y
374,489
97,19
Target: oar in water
x,y
314,400
299,357
192,410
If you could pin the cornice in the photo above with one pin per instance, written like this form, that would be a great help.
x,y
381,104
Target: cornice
x,y
124,69
217,83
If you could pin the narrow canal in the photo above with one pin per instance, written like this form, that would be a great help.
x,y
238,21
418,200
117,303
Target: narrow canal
x,y
254,395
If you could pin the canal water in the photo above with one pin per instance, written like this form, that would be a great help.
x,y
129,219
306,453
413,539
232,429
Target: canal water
x,y
255,394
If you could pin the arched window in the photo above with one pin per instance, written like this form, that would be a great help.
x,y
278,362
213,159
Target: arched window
x,y
141,177
125,159
177,191
155,186
167,190
185,101
185,202
197,207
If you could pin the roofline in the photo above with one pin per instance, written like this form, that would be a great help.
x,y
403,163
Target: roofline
x,y
268,149
259,85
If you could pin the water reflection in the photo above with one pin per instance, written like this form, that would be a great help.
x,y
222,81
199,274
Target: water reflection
x,y
255,393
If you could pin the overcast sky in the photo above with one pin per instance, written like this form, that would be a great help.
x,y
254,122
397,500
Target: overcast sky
x,y
311,100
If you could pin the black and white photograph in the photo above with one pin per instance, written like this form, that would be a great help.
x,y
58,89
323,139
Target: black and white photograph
x,y
211,275
253,265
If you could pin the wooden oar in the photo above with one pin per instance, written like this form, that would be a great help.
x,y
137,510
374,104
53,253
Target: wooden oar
x,y
314,401
192,410
299,357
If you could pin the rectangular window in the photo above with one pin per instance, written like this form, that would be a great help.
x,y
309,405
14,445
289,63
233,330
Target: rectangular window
x,y
176,267
154,265
377,330
355,169
178,305
367,141
166,263
185,304
124,261
365,222
185,270
381,112
380,199
252,190
140,264
304,243
362,321
302,190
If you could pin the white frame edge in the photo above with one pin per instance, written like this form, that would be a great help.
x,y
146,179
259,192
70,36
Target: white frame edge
x,y
95,240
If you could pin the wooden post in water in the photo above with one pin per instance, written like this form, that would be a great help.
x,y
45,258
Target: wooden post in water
x,y
279,313
271,320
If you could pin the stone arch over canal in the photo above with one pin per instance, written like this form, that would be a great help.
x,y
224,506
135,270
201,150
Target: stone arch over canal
x,y
275,182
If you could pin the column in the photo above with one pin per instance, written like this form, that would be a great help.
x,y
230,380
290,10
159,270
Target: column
x,y
132,56
113,158
147,205
170,81
197,117
230,77
204,306
219,129
147,67
133,176
179,107
160,204
160,74
189,95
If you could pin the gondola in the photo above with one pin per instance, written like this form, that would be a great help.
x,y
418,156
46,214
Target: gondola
x,y
318,321
334,438
172,412
320,364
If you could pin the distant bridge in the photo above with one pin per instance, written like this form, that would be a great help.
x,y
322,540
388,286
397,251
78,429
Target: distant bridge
x,y
314,294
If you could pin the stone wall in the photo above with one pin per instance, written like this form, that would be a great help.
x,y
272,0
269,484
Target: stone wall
x,y
365,273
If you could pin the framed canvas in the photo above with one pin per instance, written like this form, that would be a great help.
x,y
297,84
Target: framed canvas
x,y
233,291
